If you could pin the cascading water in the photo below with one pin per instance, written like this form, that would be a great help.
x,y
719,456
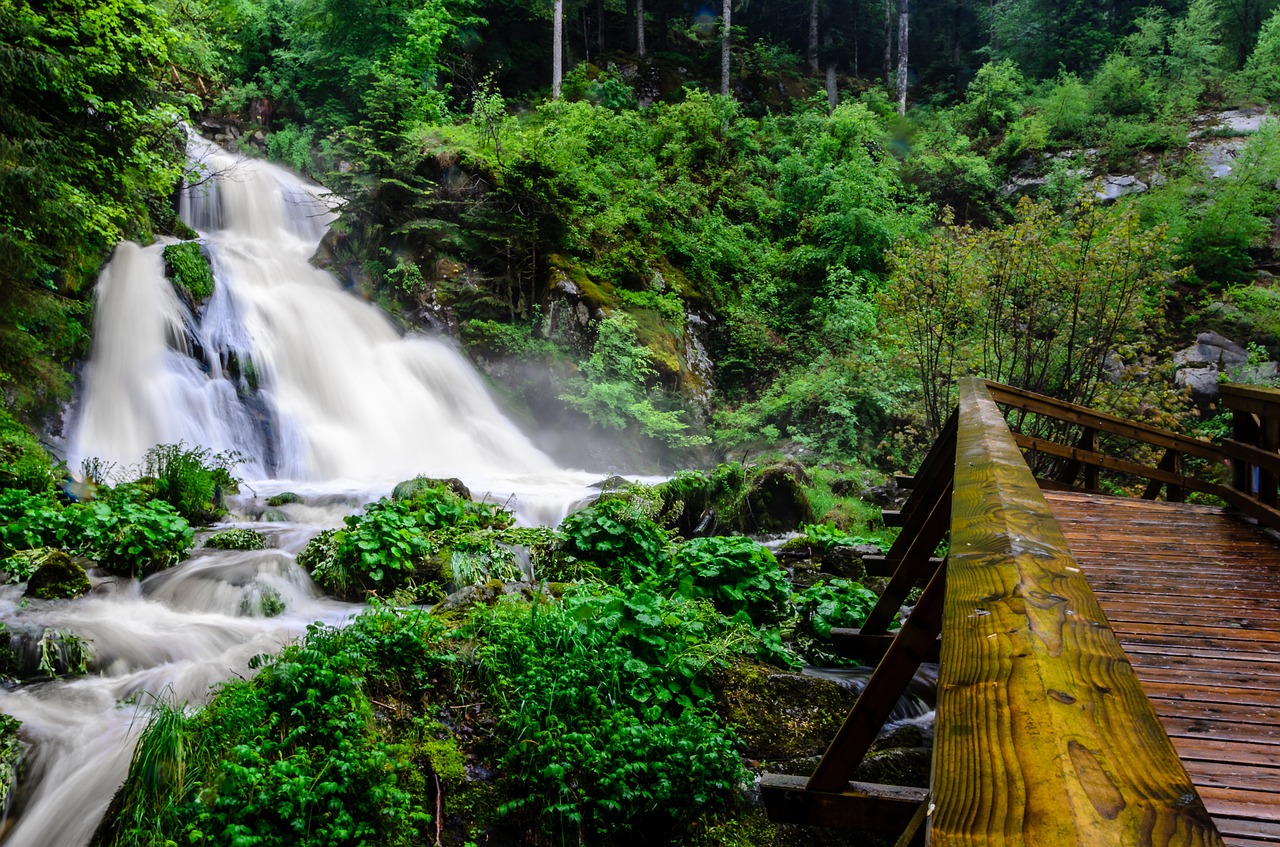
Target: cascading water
x,y
318,393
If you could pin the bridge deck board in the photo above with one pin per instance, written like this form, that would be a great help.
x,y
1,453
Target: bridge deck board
x,y
1192,593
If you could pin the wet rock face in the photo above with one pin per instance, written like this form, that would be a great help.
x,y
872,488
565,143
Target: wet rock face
x,y
1201,365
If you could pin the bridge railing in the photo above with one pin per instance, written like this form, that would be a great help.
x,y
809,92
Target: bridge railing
x,y
1092,443
1043,735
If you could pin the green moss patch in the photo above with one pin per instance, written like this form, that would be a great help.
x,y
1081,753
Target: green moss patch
x,y
189,271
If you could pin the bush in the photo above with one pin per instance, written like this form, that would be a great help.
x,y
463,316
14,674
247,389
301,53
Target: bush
x,y
823,606
740,577
191,479
130,539
24,463
236,539
589,749
291,756
189,271
612,540
29,520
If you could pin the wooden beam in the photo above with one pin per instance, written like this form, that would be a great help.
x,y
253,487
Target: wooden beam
x,y
880,566
857,806
1044,737
913,643
891,517
855,644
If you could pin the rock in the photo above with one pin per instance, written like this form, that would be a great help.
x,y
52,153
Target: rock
x,y
1231,352
1201,382
1200,364
780,716
284,498
775,499
38,652
846,562
58,578
407,489
897,766
1260,374
273,516
1112,188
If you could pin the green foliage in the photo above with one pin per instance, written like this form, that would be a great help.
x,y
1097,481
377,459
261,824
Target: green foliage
x,y
614,390
826,536
823,606
236,539
284,498
128,538
189,271
29,521
741,577
191,479
1038,304
1261,75
612,540
292,756
395,544
994,99
588,747
24,463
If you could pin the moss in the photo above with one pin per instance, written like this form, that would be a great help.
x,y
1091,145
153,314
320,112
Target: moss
x,y
189,271
780,716
57,578
24,463
284,498
410,487
597,295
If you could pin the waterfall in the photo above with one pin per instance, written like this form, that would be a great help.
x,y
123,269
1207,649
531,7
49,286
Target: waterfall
x,y
318,392
305,380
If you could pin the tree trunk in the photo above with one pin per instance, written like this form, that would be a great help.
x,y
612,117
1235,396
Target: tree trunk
x,y
888,43
813,36
902,57
724,47
640,51
557,49
599,26
833,94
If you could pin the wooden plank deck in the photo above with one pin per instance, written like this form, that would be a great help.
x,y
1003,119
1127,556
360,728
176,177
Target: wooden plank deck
x,y
1193,593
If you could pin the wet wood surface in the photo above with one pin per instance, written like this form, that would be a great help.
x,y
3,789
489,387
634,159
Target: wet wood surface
x,y
1044,734
1193,594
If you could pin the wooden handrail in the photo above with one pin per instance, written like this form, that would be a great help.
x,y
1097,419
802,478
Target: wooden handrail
x,y
1044,736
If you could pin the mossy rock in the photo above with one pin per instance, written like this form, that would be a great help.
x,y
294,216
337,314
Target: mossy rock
x,y
57,578
284,498
236,539
775,499
273,516
407,489
778,715
189,271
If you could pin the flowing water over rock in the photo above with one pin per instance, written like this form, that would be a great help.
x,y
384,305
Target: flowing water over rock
x,y
322,397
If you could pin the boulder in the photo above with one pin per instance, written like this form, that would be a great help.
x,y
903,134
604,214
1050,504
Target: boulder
x,y
407,489
775,499
57,578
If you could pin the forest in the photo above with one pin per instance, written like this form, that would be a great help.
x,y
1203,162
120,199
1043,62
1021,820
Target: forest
x,y
747,248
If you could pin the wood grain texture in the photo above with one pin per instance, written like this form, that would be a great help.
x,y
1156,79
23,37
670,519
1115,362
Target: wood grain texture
x,y
1044,735
1192,594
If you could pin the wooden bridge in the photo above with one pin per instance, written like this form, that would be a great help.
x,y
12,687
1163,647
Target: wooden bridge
x,y
1109,667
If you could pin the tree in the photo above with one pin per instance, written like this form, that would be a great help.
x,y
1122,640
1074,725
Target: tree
x,y
557,48
813,36
725,42
902,57
1040,304
640,46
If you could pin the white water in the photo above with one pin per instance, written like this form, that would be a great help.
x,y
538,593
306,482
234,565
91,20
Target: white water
x,y
345,407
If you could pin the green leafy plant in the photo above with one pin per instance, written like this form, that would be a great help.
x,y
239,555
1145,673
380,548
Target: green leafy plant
x,y
189,270
191,479
741,577
611,540
825,536
237,539
129,538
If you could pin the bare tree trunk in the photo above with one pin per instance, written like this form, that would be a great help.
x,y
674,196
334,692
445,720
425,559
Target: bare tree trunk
x,y
902,57
888,43
833,94
557,49
599,26
813,36
724,47
640,51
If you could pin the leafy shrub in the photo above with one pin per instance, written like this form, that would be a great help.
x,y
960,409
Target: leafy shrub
x,y
825,536
129,538
191,479
994,98
29,520
237,539
189,270
739,576
1261,74
589,749
824,606
291,756
611,540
